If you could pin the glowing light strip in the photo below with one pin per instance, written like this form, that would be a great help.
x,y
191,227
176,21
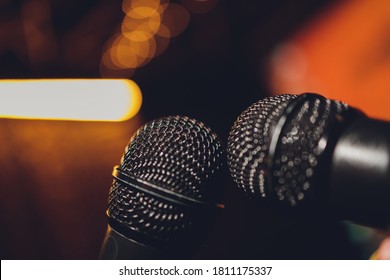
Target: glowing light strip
x,y
70,99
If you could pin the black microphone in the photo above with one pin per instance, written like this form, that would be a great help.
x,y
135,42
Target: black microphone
x,y
164,194
311,155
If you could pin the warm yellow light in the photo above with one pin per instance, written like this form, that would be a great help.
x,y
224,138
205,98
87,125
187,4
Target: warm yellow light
x,y
149,25
70,99
140,8
126,54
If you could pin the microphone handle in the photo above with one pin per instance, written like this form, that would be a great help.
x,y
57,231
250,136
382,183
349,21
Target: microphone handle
x,y
360,173
118,247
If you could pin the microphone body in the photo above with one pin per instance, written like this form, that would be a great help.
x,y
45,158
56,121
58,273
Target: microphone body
x,y
311,155
164,194
360,173
116,246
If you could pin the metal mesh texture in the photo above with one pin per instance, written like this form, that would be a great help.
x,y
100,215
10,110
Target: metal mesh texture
x,y
249,140
178,154
298,150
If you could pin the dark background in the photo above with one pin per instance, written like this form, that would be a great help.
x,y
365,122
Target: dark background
x,y
55,175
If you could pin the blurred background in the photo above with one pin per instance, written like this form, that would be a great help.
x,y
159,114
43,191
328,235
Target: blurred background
x,y
207,59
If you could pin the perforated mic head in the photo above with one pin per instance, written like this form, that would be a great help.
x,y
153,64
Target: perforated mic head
x,y
276,146
161,190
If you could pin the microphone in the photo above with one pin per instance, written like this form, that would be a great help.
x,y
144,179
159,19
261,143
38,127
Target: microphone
x,y
163,197
310,155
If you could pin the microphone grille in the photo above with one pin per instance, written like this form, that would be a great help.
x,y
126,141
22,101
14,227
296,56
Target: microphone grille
x,y
248,143
298,133
146,215
174,153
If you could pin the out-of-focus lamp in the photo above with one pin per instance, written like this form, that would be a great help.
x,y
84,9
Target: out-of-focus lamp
x,y
70,99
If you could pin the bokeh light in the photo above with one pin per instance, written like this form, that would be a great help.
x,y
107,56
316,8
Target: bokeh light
x,y
70,99
145,32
